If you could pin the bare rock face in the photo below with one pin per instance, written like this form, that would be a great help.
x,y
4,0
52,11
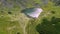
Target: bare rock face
x,y
22,3
45,2
6,3
33,12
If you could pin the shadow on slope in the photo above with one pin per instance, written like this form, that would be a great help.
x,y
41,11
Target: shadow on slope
x,y
49,26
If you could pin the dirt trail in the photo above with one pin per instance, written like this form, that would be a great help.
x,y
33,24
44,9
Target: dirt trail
x,y
22,19
23,23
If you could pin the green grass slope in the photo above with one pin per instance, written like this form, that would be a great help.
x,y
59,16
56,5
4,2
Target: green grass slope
x,y
12,21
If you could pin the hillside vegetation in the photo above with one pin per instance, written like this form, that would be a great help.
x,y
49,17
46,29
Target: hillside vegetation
x,y
12,21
